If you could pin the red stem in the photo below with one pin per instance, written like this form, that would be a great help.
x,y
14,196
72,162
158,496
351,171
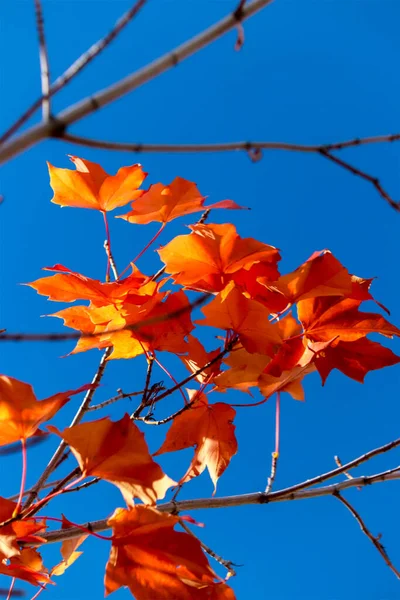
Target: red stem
x,y
11,588
39,592
84,529
252,403
108,244
53,495
23,477
153,239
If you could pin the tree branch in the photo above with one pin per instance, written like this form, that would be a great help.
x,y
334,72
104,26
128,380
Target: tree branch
x,y
76,67
77,419
240,500
228,146
364,529
44,61
91,104
254,150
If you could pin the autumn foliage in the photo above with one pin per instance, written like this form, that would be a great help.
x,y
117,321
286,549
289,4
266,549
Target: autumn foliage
x,y
271,331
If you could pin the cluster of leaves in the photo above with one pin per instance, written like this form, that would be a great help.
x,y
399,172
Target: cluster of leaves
x,y
276,329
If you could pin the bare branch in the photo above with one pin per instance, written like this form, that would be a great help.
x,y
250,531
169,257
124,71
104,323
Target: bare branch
x,y
240,500
228,564
374,181
120,396
253,149
77,419
76,67
364,529
228,146
44,61
91,104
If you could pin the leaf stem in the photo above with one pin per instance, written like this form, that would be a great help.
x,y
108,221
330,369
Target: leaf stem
x,y
23,476
107,246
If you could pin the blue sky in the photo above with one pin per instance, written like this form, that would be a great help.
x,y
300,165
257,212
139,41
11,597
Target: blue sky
x,y
309,72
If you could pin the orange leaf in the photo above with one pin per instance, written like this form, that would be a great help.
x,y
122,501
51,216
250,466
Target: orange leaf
x,y
208,258
118,453
27,566
355,359
230,310
154,561
91,187
208,427
67,286
68,551
163,203
321,275
169,323
21,413
327,318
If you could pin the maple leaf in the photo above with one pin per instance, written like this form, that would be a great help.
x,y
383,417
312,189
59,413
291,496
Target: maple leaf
x,y
321,275
123,326
21,413
154,561
68,286
27,566
68,550
230,310
208,427
91,187
355,359
326,318
209,257
163,203
118,453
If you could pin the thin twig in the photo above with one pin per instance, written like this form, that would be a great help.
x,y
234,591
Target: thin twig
x,y
240,500
228,564
82,486
150,421
229,146
275,453
78,417
253,149
374,539
150,363
92,103
374,181
77,66
110,259
211,362
120,396
340,464
44,61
